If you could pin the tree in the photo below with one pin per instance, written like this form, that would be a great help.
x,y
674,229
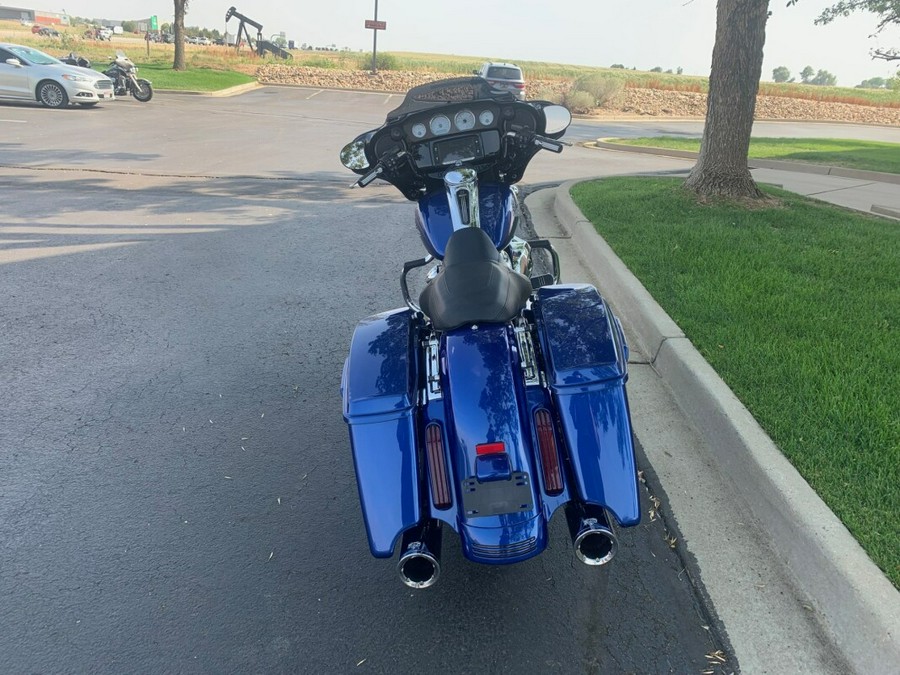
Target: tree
x,y
824,79
807,74
781,74
888,12
721,168
180,10
873,83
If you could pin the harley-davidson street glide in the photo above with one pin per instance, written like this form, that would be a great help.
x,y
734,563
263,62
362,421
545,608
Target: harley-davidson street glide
x,y
123,73
495,397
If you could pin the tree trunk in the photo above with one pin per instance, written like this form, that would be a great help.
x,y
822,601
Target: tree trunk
x,y
180,9
721,168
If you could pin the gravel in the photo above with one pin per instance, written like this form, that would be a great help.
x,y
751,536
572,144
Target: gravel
x,y
632,102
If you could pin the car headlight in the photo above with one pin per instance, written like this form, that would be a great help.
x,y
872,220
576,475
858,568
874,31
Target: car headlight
x,y
75,78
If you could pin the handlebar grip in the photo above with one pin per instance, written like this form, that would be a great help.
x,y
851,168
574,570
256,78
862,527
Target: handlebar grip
x,y
548,144
369,177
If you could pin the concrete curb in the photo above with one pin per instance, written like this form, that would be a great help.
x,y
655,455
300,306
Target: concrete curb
x,y
799,167
231,91
886,211
859,608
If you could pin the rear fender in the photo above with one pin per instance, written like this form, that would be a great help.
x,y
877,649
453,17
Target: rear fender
x,y
497,488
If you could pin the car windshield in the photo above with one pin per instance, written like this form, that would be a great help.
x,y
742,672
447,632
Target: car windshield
x,y
34,56
504,73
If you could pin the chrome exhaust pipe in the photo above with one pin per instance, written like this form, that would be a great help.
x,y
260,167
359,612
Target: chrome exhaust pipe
x,y
420,560
591,530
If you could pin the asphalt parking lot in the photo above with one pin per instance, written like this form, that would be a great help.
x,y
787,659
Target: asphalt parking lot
x,y
180,282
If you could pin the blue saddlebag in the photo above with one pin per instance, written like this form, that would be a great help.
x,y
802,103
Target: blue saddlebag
x,y
586,362
379,392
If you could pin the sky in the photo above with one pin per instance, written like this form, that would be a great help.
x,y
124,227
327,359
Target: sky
x,y
639,33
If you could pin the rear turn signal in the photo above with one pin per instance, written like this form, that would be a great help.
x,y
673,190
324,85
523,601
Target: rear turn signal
x,y
550,466
437,466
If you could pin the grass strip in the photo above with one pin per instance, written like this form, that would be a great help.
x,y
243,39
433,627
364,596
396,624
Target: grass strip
x,y
193,79
848,153
797,308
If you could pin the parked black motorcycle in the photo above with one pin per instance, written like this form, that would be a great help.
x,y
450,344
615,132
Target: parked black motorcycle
x,y
123,73
74,60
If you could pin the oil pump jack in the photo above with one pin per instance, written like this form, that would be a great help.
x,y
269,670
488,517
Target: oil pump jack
x,y
259,45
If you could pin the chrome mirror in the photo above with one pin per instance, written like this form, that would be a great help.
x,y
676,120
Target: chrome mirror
x,y
353,156
557,119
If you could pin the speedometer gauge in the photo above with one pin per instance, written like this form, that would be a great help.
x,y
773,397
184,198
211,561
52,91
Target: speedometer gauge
x,y
440,125
486,117
464,120
419,130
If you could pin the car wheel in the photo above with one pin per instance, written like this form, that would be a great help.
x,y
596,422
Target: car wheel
x,y
52,95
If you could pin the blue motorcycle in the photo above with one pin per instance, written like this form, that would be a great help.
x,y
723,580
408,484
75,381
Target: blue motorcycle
x,y
495,397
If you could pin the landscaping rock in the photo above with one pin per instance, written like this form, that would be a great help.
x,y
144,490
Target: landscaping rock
x,y
636,102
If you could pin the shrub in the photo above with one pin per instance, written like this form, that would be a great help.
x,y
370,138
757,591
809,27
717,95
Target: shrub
x,y
323,62
579,101
546,94
603,90
383,61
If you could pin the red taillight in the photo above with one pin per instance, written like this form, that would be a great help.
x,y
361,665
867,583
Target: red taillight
x,y
519,85
437,466
490,449
550,466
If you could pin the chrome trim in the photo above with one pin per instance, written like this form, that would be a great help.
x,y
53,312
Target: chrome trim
x,y
520,256
462,195
527,357
417,552
432,390
592,529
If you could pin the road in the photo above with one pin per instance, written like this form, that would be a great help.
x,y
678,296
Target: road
x,y
180,282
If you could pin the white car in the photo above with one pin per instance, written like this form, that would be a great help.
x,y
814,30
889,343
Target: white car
x,y
27,74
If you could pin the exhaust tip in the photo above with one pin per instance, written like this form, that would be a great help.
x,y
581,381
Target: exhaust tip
x,y
596,544
418,568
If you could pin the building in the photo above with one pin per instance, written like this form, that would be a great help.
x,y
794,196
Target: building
x,y
33,16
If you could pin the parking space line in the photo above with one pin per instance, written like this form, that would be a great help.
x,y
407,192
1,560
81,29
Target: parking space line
x,y
314,94
16,121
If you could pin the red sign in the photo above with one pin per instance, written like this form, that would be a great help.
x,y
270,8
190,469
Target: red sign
x,y
377,25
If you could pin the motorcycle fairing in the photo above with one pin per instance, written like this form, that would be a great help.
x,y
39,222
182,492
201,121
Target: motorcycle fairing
x,y
497,208
379,397
584,353
499,505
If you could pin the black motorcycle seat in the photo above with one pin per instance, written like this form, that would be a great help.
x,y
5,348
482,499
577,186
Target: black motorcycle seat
x,y
473,286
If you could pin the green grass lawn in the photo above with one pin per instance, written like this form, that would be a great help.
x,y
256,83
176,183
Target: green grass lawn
x,y
193,79
848,153
797,307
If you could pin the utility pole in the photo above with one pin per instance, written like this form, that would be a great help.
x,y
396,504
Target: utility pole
x,y
375,41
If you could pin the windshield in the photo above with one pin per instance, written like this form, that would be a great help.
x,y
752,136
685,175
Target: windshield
x,y
34,56
442,92
504,73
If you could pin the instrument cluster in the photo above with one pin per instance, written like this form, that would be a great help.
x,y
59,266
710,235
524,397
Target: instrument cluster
x,y
459,121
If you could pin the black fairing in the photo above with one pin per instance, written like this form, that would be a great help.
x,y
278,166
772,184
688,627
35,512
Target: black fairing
x,y
473,285
391,147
